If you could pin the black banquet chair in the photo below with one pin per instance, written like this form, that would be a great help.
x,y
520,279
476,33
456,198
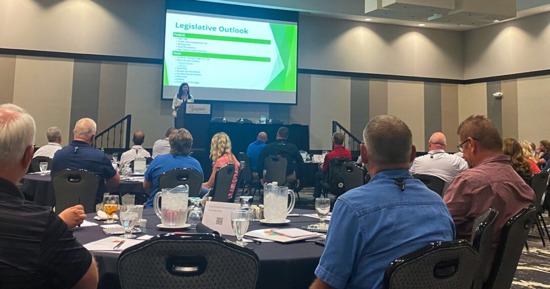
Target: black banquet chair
x,y
432,182
440,265
275,170
481,240
188,261
335,182
182,176
222,184
352,175
73,187
539,184
513,237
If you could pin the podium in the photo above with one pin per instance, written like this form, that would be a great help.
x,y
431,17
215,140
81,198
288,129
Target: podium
x,y
195,117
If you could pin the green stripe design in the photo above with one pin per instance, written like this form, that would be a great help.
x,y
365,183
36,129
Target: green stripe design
x,y
222,38
221,56
286,37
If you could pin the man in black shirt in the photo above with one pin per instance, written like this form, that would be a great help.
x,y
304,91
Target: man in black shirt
x,y
284,149
37,249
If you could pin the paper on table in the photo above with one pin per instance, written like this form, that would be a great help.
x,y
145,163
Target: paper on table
x,y
315,216
108,243
278,235
88,224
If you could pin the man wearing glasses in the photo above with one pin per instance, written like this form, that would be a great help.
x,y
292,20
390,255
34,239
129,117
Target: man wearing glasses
x,y
490,183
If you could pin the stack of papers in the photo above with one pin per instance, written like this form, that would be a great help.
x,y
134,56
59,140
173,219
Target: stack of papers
x,y
282,235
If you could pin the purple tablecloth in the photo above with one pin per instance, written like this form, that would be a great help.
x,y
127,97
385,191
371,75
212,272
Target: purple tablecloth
x,y
281,265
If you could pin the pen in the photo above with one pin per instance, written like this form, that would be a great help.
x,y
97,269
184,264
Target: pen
x,y
119,244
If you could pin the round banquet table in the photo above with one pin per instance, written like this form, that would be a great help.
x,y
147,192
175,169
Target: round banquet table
x,y
289,265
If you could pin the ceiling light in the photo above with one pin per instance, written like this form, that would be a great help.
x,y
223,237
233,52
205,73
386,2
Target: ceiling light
x,y
421,24
368,19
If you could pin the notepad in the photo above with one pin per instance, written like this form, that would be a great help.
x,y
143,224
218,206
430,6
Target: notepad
x,y
283,235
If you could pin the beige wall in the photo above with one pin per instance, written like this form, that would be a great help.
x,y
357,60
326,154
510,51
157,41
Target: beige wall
x,y
533,112
43,87
406,100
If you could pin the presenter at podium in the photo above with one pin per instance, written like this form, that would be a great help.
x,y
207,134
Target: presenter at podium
x,y
180,99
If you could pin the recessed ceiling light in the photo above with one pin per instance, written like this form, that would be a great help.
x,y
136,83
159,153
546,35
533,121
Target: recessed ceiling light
x,y
496,20
421,24
368,19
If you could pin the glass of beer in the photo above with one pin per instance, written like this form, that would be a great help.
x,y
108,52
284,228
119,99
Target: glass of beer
x,y
110,206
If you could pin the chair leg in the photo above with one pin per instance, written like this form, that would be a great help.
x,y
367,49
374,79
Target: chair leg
x,y
539,228
544,225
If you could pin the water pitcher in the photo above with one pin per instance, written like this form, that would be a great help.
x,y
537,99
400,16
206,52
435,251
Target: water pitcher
x,y
275,203
173,210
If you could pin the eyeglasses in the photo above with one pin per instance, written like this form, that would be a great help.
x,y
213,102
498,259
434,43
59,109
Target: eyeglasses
x,y
459,146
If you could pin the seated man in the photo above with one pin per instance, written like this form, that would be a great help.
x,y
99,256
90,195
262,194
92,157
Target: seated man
x,y
80,154
181,142
490,183
254,151
284,149
338,151
437,162
392,215
54,143
136,150
162,146
37,249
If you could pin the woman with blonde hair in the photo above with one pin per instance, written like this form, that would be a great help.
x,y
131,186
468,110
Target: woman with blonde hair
x,y
512,148
529,156
221,155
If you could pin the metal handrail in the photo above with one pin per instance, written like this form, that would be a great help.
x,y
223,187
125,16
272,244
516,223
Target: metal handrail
x,y
120,138
353,141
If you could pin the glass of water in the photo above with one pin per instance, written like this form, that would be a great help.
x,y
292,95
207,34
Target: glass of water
x,y
194,215
322,206
115,157
43,167
239,222
128,218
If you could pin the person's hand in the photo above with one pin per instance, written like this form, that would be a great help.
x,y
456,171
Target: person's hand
x,y
73,216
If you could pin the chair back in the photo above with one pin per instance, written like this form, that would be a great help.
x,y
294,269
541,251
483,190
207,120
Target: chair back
x,y
440,265
539,184
35,163
275,169
246,170
481,240
222,183
188,261
352,175
182,176
73,187
335,183
513,236
432,182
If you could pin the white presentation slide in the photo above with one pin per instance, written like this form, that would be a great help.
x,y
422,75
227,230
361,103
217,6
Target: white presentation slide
x,y
230,59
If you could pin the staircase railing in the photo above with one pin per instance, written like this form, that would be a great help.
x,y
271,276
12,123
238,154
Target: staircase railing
x,y
115,136
353,141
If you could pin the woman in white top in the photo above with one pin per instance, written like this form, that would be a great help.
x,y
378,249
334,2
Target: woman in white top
x,y
183,95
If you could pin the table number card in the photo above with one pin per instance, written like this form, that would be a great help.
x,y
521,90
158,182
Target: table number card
x,y
217,216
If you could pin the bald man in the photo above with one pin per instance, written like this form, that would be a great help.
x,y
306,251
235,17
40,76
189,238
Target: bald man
x,y
136,150
437,162
255,149
80,154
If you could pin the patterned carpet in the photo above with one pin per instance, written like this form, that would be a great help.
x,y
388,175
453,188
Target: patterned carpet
x,y
533,270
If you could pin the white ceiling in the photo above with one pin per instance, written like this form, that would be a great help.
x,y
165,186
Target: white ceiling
x,y
460,15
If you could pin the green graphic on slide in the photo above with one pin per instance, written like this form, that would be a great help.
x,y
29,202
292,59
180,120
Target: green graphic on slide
x,y
221,56
286,39
222,38
165,80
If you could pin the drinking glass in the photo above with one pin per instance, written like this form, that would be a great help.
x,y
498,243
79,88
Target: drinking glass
x,y
240,222
194,215
110,206
322,206
245,202
43,167
115,157
128,219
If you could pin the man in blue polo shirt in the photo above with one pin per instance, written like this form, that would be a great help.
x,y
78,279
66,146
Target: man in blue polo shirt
x,y
393,215
254,150
79,154
180,148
